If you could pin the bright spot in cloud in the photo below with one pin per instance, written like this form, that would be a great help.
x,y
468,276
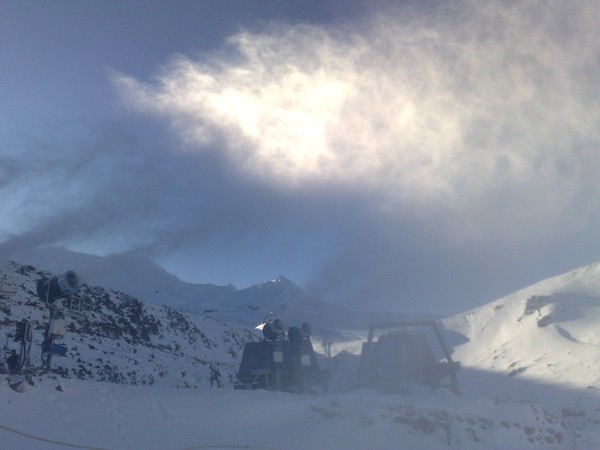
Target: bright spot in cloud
x,y
483,110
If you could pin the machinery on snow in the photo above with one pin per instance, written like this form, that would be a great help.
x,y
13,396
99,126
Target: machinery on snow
x,y
285,360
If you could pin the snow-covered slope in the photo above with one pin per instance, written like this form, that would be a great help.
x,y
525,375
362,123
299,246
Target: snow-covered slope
x,y
529,377
136,275
125,340
547,333
100,415
145,280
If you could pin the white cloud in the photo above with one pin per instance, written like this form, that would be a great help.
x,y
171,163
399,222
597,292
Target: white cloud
x,y
486,111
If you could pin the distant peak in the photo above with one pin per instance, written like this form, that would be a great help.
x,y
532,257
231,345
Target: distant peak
x,y
280,282
282,279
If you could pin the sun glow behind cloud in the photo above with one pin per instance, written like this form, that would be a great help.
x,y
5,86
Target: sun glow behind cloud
x,y
477,109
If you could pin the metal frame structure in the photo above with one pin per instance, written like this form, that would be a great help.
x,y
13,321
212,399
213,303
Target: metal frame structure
x,y
368,347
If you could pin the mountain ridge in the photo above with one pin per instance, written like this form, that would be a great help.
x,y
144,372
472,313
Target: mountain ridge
x,y
145,280
548,332
519,388
122,339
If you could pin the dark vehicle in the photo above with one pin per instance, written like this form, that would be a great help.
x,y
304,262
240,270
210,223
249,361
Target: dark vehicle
x,y
399,358
283,361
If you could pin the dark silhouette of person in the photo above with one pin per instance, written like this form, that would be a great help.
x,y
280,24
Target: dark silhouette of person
x,y
215,376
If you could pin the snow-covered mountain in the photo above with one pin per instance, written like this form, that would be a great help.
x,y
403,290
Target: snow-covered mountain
x,y
143,279
546,333
137,275
530,376
122,339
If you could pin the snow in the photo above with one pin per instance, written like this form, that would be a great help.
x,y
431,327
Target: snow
x,y
530,378
103,415
548,333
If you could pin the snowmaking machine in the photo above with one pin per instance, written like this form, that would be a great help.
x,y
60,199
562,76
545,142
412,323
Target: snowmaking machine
x,y
283,361
404,356
58,293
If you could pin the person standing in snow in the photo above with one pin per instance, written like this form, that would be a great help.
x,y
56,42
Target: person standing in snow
x,y
215,376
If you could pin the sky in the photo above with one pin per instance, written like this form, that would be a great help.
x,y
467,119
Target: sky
x,y
412,156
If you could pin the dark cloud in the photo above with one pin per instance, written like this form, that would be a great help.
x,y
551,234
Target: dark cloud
x,y
114,191
420,158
